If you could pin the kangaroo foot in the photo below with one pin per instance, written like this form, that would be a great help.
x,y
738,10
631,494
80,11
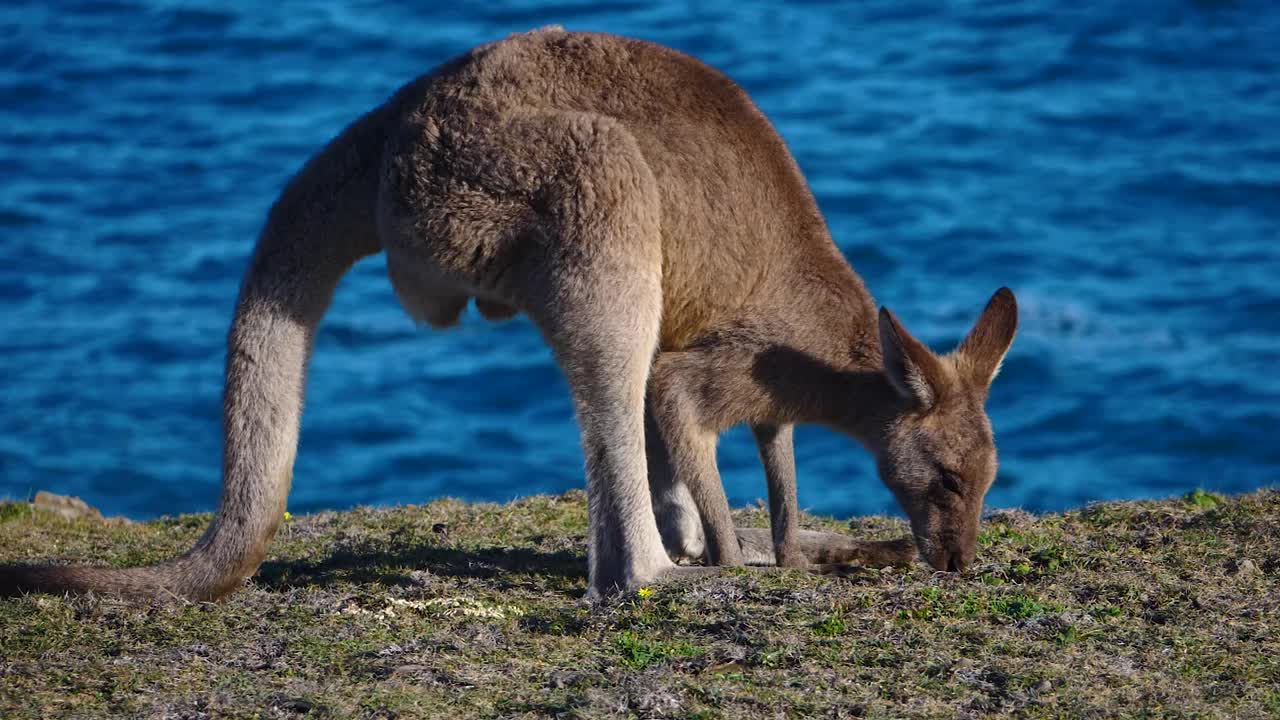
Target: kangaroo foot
x,y
821,548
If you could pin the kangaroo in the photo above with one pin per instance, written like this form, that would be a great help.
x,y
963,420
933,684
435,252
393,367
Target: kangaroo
x,y
645,215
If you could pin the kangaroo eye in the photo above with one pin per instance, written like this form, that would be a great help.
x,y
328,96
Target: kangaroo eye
x,y
950,480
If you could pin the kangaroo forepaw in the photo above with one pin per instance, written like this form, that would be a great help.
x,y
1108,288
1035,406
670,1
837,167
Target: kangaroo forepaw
x,y
898,553
813,548
869,556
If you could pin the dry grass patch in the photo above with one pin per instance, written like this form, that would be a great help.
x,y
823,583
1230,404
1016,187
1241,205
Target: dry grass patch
x,y
1151,609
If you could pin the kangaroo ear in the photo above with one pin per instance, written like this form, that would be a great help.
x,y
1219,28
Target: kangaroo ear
x,y
984,348
912,368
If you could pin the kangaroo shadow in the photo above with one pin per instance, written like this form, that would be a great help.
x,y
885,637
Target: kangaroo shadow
x,y
376,563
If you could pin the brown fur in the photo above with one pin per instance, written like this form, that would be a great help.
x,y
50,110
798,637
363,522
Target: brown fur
x,y
641,210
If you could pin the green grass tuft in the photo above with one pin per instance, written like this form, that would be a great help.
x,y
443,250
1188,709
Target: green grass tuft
x,y
10,511
637,651
1018,607
1201,499
829,626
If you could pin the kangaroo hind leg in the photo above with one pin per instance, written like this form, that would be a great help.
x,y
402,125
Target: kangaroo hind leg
x,y
596,294
557,215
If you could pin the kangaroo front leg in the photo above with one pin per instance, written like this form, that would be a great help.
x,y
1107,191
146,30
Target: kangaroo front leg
x,y
777,452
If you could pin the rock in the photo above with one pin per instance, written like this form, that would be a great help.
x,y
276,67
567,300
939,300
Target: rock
x,y
1043,686
65,506
1246,567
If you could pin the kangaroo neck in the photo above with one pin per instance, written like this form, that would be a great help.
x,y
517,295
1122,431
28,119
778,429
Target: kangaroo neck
x,y
856,399
825,366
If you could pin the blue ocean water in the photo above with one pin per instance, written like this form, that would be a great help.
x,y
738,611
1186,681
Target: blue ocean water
x,y
1116,164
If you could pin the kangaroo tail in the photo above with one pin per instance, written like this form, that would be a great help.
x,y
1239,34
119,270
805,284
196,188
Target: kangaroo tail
x,y
322,223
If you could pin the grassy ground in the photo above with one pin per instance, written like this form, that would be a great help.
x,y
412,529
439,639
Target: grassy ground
x,y
1154,609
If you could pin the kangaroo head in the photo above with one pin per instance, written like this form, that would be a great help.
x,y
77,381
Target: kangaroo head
x,y
938,455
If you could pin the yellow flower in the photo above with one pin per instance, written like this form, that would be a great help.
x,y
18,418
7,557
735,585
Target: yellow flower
x,y
288,515
643,593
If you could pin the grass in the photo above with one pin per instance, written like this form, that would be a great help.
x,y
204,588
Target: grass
x,y
1146,609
